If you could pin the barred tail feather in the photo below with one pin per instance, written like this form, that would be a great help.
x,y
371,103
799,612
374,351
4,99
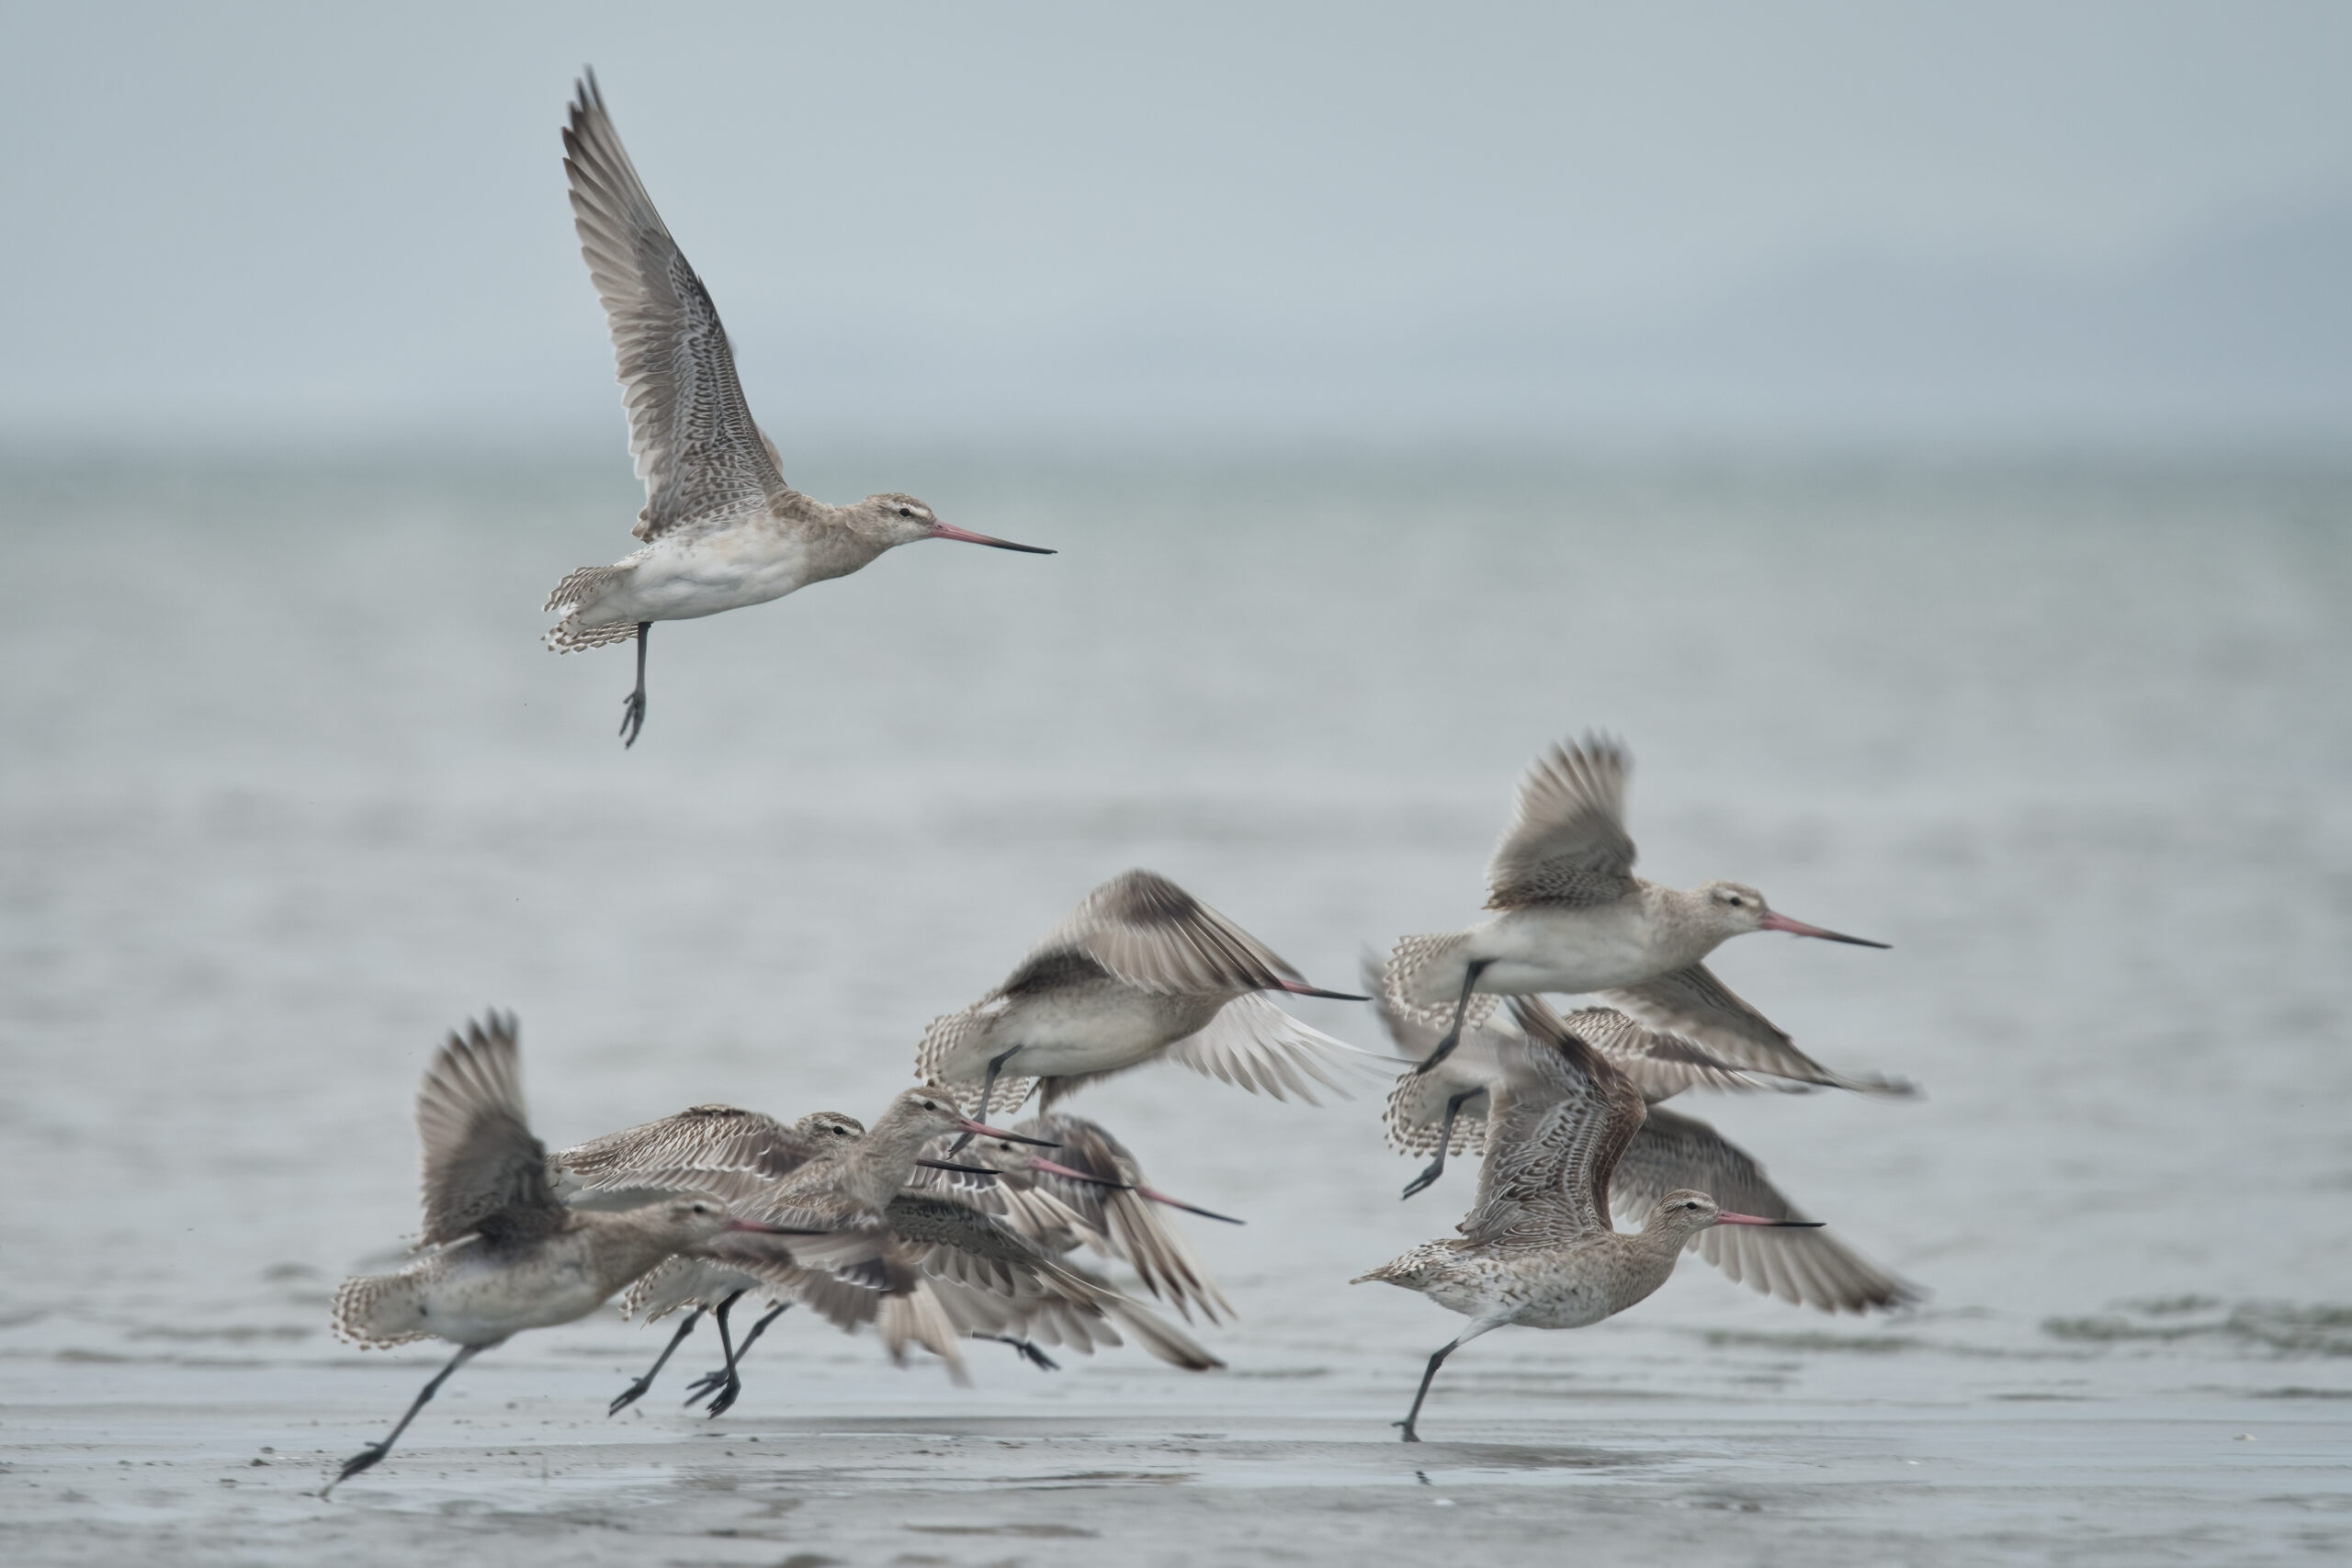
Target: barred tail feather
x,y
573,595
376,1311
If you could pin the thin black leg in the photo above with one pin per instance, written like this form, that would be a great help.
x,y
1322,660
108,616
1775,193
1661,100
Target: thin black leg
x,y
633,705
710,1383
988,1093
734,1385
1460,1008
1029,1353
366,1458
638,1389
1436,1167
1415,1413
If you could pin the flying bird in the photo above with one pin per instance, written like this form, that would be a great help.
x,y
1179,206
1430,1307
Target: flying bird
x,y
503,1252
1537,1250
1571,916
721,528
1140,969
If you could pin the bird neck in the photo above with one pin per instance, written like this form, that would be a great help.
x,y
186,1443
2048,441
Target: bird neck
x,y
878,1166
1683,928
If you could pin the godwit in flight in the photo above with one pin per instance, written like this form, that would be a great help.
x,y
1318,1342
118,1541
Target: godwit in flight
x,y
1102,1200
720,526
507,1254
1440,1108
1537,1248
1572,917
1671,1151
927,1267
1139,970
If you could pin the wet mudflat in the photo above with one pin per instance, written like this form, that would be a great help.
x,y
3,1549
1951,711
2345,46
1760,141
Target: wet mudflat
x,y
283,800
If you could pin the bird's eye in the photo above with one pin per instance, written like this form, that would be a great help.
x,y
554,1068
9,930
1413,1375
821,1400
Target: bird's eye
x,y
906,512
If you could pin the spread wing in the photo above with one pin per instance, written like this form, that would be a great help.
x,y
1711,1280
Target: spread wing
x,y
1567,844
966,1248
721,1149
1660,1065
1147,932
1562,1117
1695,1005
1254,1044
1119,1220
696,447
484,1173
1672,1152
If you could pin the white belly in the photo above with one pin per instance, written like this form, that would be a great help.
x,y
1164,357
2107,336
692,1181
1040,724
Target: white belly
x,y
1089,1029
726,570
1543,949
471,1306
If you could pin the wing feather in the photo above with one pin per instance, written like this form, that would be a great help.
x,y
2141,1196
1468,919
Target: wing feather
x,y
1563,1116
696,447
1567,842
1671,1151
484,1173
1693,1004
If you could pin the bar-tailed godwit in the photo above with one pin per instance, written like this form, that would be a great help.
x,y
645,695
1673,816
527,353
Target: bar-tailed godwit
x,y
507,1254
1537,1248
926,1268
1139,970
1572,917
1101,1200
721,528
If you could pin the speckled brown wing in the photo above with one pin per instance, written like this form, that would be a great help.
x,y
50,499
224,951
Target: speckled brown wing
x,y
1147,932
1673,1152
722,1149
1691,1003
484,1173
1562,1118
1567,842
697,449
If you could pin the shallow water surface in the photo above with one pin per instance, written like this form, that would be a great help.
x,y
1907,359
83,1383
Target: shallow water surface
x,y
289,790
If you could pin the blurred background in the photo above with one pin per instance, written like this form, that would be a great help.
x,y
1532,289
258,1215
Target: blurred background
x,y
1919,431
275,226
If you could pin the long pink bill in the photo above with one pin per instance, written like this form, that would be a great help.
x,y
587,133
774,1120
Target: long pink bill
x,y
761,1228
982,1130
1049,1167
949,531
1779,922
1038,1163
1725,1217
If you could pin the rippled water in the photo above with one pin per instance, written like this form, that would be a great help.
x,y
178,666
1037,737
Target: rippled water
x,y
288,789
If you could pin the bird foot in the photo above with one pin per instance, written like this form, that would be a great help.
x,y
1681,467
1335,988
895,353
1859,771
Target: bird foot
x,y
1424,1181
628,1396
364,1459
1410,1436
1036,1357
727,1395
632,719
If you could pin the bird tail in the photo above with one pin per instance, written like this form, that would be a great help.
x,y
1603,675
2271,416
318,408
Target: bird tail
x,y
375,1311
1420,983
574,595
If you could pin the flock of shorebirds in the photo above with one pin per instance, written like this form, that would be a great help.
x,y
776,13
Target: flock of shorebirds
x,y
933,1225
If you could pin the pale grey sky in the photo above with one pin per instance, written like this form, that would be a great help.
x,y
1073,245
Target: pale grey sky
x,y
2044,221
